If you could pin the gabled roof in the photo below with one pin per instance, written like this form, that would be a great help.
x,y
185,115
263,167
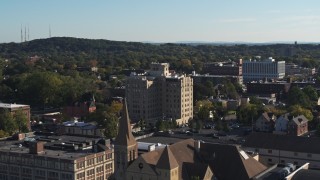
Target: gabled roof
x,y
167,160
301,119
267,117
197,169
125,137
230,162
282,142
183,152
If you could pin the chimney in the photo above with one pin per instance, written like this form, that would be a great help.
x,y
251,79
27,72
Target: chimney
x,y
36,147
19,136
270,114
197,145
290,117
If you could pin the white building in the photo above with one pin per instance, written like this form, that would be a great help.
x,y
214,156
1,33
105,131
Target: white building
x,y
260,70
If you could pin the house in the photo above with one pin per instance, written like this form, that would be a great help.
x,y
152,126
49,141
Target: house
x,y
281,124
14,108
265,123
298,126
275,149
83,107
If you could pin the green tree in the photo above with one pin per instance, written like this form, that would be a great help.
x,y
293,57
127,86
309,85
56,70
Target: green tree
x,y
7,122
203,107
21,121
247,114
297,110
110,124
3,134
311,92
297,97
42,88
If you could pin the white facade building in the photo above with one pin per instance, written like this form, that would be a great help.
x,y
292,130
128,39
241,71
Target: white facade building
x,y
260,70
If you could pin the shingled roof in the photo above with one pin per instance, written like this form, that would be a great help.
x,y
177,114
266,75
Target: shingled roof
x,y
125,137
227,162
282,142
180,154
167,160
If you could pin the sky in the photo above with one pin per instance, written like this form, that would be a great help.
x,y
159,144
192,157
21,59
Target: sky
x,y
163,20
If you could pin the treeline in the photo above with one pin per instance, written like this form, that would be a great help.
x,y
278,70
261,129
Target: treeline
x,y
113,56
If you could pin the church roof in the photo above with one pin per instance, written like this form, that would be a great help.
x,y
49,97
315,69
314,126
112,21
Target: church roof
x,y
125,137
167,160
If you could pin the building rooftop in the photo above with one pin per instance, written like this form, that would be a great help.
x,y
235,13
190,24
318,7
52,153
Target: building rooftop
x,y
62,147
282,142
230,162
5,105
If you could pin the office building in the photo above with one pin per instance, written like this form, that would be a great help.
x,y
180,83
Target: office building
x,y
56,158
260,70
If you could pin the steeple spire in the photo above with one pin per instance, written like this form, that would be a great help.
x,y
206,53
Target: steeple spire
x,y
125,137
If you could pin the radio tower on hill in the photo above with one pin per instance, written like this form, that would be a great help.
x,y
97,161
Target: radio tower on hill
x,y
49,31
21,34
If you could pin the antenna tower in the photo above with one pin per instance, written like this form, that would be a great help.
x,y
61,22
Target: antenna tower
x,y
49,31
21,34
25,33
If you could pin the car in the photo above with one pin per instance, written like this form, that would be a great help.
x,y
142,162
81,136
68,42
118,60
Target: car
x,y
215,136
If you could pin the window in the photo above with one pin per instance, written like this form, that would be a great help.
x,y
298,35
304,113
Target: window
x,y
309,155
269,160
296,154
269,151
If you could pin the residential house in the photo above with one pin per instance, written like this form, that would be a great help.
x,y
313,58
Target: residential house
x,y
265,123
281,124
298,126
83,107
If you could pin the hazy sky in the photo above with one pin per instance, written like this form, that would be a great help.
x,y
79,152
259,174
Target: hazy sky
x,y
163,20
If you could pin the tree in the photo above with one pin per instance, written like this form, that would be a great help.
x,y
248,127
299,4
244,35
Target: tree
x,y
246,114
115,107
21,121
7,122
297,110
203,108
297,97
42,88
311,92
110,124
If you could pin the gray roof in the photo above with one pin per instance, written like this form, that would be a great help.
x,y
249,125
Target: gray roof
x,y
62,147
283,142
230,162
308,174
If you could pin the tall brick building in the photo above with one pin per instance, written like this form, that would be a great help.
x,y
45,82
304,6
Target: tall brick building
x,y
159,94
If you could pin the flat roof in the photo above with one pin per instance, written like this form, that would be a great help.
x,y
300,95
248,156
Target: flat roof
x,y
6,105
53,147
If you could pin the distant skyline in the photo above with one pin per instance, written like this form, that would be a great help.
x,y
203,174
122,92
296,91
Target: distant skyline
x,y
163,21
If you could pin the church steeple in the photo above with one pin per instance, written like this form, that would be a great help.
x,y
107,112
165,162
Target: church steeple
x,y
125,137
125,145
